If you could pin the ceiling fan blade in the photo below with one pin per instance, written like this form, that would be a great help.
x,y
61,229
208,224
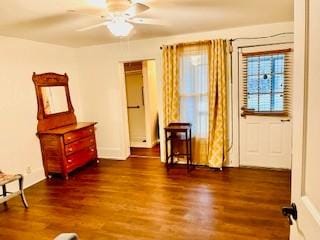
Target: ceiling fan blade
x,y
92,27
136,9
148,21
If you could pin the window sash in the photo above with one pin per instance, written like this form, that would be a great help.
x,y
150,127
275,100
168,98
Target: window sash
x,y
193,89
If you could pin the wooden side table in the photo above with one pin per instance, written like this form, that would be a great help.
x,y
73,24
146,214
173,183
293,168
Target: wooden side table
x,y
174,133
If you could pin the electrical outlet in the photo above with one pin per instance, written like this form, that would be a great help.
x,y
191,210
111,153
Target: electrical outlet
x,y
28,170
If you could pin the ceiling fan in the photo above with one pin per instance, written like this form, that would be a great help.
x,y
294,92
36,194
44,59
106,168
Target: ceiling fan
x,y
120,15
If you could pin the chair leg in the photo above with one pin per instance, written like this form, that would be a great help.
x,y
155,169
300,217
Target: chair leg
x,y
4,194
23,198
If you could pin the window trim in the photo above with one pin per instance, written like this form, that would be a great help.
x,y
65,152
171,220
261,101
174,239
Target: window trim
x,y
271,52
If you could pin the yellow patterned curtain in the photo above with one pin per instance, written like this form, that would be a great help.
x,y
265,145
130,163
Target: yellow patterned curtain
x,y
170,84
195,91
217,139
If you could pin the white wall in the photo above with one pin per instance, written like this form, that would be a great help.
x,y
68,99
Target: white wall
x,y
102,86
19,146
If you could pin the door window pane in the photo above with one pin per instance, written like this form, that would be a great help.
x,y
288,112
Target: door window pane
x,y
253,102
253,84
279,64
265,65
253,66
265,83
278,82
278,102
265,102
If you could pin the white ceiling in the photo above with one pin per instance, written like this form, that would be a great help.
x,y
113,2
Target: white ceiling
x,y
48,20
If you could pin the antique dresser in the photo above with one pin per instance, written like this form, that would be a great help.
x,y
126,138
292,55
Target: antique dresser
x,y
65,143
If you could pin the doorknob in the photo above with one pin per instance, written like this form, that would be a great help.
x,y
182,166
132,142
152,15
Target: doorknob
x,y
290,212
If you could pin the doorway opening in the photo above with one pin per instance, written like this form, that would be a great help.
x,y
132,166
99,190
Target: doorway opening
x,y
142,108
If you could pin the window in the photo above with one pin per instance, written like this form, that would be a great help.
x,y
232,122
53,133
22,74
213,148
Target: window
x,y
193,89
266,82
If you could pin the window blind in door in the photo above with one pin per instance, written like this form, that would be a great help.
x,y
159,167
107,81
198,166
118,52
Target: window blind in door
x,y
267,82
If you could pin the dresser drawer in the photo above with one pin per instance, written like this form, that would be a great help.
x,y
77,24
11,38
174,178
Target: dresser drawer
x,y
81,157
75,135
80,144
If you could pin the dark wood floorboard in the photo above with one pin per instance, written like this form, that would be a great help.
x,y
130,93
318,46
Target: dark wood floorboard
x,y
146,152
138,199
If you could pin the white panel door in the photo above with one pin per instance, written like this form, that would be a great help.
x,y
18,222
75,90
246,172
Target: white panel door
x,y
306,134
264,141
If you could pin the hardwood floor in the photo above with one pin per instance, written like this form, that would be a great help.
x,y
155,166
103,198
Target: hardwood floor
x,y
138,199
146,152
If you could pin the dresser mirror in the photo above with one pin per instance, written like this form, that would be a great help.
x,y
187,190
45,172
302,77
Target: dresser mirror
x,y
54,99
54,103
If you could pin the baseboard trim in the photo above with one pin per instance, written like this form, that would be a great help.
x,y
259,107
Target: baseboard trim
x,y
139,144
29,180
34,177
155,142
265,168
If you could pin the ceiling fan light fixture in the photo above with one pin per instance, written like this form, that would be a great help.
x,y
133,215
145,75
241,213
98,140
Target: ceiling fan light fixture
x,y
119,28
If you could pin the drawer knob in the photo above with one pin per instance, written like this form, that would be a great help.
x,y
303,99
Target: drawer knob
x,y
69,161
69,138
92,149
90,130
70,149
91,140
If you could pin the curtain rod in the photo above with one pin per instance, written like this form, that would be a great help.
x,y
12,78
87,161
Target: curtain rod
x,y
191,43
235,39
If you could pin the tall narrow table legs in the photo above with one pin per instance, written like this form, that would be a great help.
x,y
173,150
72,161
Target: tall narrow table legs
x,y
178,132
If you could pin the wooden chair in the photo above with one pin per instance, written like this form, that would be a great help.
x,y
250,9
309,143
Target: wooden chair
x,y
8,178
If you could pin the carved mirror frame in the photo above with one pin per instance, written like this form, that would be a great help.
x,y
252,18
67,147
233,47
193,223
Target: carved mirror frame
x,y
55,120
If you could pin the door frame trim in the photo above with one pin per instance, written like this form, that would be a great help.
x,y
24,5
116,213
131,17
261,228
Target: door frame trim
x,y
126,142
